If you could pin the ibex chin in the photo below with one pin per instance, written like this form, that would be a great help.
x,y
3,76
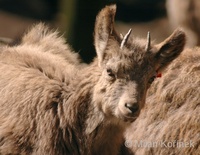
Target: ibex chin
x,y
51,105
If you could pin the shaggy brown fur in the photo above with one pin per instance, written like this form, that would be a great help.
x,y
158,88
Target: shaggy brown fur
x,y
171,116
48,105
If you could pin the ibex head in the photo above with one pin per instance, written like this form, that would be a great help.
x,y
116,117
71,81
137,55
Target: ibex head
x,y
128,66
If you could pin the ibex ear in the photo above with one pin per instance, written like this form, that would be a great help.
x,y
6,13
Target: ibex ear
x,y
170,49
104,28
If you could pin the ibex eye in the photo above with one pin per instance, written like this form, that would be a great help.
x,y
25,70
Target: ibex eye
x,y
152,79
110,72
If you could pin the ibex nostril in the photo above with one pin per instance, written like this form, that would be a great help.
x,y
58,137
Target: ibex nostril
x,y
132,107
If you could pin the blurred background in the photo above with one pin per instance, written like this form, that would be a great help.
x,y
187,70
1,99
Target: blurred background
x,y
75,19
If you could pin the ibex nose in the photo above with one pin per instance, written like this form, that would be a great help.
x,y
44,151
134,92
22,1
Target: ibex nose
x,y
132,107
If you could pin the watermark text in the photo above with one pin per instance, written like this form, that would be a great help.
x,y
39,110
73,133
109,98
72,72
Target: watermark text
x,y
167,144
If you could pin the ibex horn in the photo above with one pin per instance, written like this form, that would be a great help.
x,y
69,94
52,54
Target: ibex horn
x,y
148,42
121,36
125,38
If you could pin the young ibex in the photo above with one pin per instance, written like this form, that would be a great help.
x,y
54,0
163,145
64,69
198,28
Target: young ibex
x,y
48,105
170,120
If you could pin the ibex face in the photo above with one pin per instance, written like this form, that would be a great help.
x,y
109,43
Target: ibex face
x,y
128,66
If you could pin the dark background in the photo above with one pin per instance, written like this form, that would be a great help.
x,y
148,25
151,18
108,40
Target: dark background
x,y
80,24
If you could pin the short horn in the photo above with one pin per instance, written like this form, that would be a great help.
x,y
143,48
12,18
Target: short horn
x,y
148,42
125,39
121,36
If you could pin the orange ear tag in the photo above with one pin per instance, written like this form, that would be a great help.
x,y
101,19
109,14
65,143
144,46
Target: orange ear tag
x,y
159,75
